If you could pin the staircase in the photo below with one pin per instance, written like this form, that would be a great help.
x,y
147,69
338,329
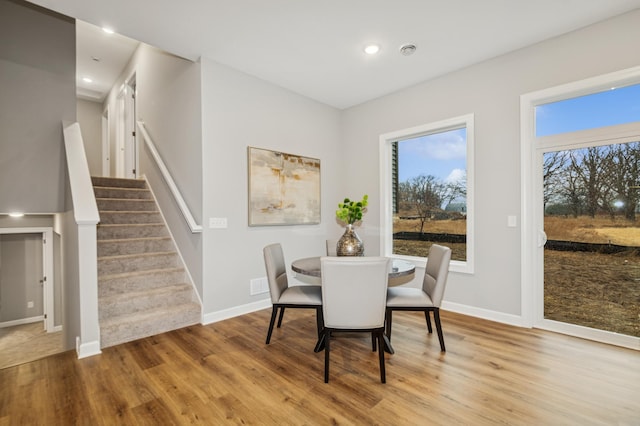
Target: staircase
x,y
143,287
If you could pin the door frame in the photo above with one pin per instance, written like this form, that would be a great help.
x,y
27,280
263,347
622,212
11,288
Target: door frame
x,y
532,232
47,269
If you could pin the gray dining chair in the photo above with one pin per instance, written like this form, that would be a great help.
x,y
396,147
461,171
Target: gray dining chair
x,y
285,296
429,297
354,291
332,247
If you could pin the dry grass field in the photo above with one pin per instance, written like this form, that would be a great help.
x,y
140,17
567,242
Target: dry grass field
x,y
589,289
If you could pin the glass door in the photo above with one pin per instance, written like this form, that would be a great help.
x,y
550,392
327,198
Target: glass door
x,y
591,209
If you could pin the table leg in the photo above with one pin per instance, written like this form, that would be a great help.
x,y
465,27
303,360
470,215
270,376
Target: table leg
x,y
387,345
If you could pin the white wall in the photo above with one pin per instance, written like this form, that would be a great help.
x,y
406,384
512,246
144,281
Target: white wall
x,y
89,116
240,111
491,90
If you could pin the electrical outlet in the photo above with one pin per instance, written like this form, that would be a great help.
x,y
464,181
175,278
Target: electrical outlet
x,y
258,286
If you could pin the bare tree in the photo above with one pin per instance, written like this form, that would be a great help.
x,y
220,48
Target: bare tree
x,y
553,169
425,194
623,177
587,166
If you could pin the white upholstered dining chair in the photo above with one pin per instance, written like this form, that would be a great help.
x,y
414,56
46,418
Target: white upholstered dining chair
x,y
282,295
354,292
429,297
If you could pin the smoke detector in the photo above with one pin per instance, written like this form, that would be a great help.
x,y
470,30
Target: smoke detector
x,y
408,49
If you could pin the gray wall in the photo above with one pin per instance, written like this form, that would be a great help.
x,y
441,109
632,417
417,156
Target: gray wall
x,y
239,111
37,76
90,120
491,90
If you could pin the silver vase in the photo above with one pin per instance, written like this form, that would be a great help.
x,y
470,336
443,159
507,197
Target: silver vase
x,y
350,244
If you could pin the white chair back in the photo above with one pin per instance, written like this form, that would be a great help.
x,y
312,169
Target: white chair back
x,y
354,291
436,272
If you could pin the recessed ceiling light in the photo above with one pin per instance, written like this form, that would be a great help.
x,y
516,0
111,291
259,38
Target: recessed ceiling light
x,y
408,49
372,49
16,214
107,30
87,80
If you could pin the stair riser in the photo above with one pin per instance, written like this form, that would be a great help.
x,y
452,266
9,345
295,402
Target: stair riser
x,y
129,217
118,183
123,284
127,304
120,265
121,247
126,205
111,232
127,193
115,334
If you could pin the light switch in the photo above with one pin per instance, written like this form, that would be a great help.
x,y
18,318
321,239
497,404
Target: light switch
x,y
512,221
218,222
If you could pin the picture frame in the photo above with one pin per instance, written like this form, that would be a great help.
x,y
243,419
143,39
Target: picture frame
x,y
284,189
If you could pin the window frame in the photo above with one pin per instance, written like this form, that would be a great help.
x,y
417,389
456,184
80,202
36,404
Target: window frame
x,y
386,187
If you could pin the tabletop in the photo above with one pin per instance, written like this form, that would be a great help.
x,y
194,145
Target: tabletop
x,y
311,266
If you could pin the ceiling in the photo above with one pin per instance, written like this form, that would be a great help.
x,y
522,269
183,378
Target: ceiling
x,y
315,48
100,57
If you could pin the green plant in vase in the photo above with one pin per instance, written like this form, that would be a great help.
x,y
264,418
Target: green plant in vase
x,y
351,212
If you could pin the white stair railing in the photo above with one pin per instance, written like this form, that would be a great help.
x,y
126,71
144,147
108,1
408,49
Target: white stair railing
x,y
193,225
84,247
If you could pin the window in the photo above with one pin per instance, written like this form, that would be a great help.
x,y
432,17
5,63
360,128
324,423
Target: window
x,y
427,191
614,106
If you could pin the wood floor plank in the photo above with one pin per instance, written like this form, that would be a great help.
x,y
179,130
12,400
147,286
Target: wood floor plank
x,y
223,373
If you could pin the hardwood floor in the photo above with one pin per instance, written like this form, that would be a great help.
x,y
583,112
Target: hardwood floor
x,y
223,373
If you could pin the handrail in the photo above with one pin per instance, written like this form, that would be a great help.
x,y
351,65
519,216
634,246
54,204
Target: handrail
x,y
195,228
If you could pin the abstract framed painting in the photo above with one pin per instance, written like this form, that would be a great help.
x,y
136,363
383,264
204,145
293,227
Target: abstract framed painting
x,y
284,189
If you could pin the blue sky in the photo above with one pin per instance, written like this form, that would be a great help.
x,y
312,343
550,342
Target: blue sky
x,y
442,155
616,106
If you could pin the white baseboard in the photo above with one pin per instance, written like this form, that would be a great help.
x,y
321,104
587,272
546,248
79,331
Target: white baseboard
x,y
235,311
510,319
88,349
484,314
21,321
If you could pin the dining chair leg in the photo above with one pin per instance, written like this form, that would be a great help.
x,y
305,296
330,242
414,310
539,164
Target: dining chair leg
x,y
374,338
436,317
274,312
327,339
388,319
428,318
383,375
319,321
281,315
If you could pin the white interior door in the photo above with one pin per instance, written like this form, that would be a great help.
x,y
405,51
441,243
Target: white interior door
x,y
130,148
120,134
106,144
